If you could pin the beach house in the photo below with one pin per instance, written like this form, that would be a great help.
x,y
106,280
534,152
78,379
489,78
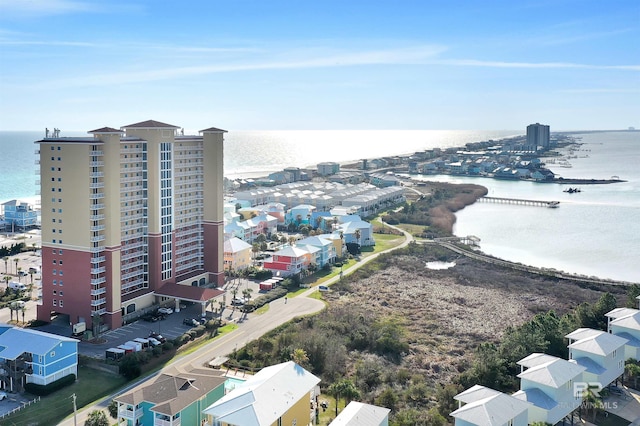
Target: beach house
x,y
237,254
625,323
547,383
600,353
483,406
288,261
171,399
280,394
31,356
327,250
19,215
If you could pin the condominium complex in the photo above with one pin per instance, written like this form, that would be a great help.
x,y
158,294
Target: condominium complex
x,y
538,136
126,212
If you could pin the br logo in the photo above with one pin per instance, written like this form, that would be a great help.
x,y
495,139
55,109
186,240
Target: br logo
x,y
581,389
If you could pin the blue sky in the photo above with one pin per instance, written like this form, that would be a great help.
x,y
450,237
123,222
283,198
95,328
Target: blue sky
x,y
258,65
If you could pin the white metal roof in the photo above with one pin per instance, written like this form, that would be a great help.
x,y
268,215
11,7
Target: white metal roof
x,y
536,358
494,410
553,373
631,321
600,344
621,312
265,397
359,414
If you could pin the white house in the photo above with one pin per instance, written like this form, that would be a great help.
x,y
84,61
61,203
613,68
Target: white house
x,y
359,414
487,407
547,383
279,394
625,323
600,353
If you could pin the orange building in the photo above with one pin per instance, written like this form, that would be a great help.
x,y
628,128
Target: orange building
x,y
126,212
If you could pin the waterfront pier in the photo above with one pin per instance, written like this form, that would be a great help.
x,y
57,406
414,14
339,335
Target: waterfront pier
x,y
538,203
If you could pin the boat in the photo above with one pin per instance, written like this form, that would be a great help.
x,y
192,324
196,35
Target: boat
x,y
572,190
553,204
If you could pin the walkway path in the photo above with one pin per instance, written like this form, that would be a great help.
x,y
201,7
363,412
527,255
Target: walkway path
x,y
252,327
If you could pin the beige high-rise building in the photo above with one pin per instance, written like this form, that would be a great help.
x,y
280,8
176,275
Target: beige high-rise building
x,y
130,217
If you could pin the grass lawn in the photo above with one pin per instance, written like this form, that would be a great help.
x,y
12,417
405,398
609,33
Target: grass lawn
x,y
90,386
329,415
412,229
263,309
384,242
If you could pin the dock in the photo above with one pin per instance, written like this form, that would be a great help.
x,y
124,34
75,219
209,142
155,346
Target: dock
x,y
538,203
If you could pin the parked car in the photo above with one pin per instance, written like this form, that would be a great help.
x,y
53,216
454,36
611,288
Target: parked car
x,y
166,311
323,288
237,302
190,322
3,395
154,341
158,337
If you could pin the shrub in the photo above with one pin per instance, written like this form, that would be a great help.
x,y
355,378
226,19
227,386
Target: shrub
x,y
43,390
167,346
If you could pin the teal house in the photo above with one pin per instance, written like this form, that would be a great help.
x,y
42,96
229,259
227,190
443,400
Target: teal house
x,y
173,399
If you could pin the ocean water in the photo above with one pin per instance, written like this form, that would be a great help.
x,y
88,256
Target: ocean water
x,y
595,232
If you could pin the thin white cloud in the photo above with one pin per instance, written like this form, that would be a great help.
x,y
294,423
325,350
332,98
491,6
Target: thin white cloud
x,y
588,91
37,8
414,55
532,65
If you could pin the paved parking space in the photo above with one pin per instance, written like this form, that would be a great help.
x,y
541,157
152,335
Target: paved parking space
x,y
171,327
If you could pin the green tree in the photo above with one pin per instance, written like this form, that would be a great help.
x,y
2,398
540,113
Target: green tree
x,y
343,388
113,409
633,291
97,418
388,398
131,366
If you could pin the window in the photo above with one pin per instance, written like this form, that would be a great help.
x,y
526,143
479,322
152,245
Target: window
x,y
61,272
61,301
55,282
55,302
60,283
61,294
60,251
54,272
55,261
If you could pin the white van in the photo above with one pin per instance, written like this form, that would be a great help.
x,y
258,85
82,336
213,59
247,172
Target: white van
x,y
17,286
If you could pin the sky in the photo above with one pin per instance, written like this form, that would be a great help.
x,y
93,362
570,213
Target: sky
x,y
279,65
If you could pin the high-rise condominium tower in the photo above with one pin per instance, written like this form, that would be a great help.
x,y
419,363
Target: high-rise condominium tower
x,y
126,212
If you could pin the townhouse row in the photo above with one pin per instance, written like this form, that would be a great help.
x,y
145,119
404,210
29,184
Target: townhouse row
x,y
281,394
551,388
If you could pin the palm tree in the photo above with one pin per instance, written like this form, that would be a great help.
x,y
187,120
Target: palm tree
x,y
16,260
23,309
300,357
6,260
345,388
357,234
19,275
31,275
247,294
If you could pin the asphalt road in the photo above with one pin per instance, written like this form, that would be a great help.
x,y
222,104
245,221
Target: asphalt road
x,y
249,328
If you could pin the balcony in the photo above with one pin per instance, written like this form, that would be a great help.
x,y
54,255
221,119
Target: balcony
x,y
96,163
96,153
130,414
96,196
98,302
96,185
98,281
96,217
100,270
95,207
160,422
96,174
98,292
96,228
97,238
97,249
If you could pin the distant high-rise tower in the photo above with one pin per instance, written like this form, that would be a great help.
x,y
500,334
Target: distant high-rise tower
x,y
538,135
126,212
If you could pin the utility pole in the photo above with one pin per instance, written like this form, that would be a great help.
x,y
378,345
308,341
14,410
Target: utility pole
x,y
75,422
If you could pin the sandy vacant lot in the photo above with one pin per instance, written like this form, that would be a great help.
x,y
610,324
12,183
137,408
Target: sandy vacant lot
x,y
448,312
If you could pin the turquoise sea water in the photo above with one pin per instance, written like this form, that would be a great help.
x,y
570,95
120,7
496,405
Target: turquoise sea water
x,y
595,232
